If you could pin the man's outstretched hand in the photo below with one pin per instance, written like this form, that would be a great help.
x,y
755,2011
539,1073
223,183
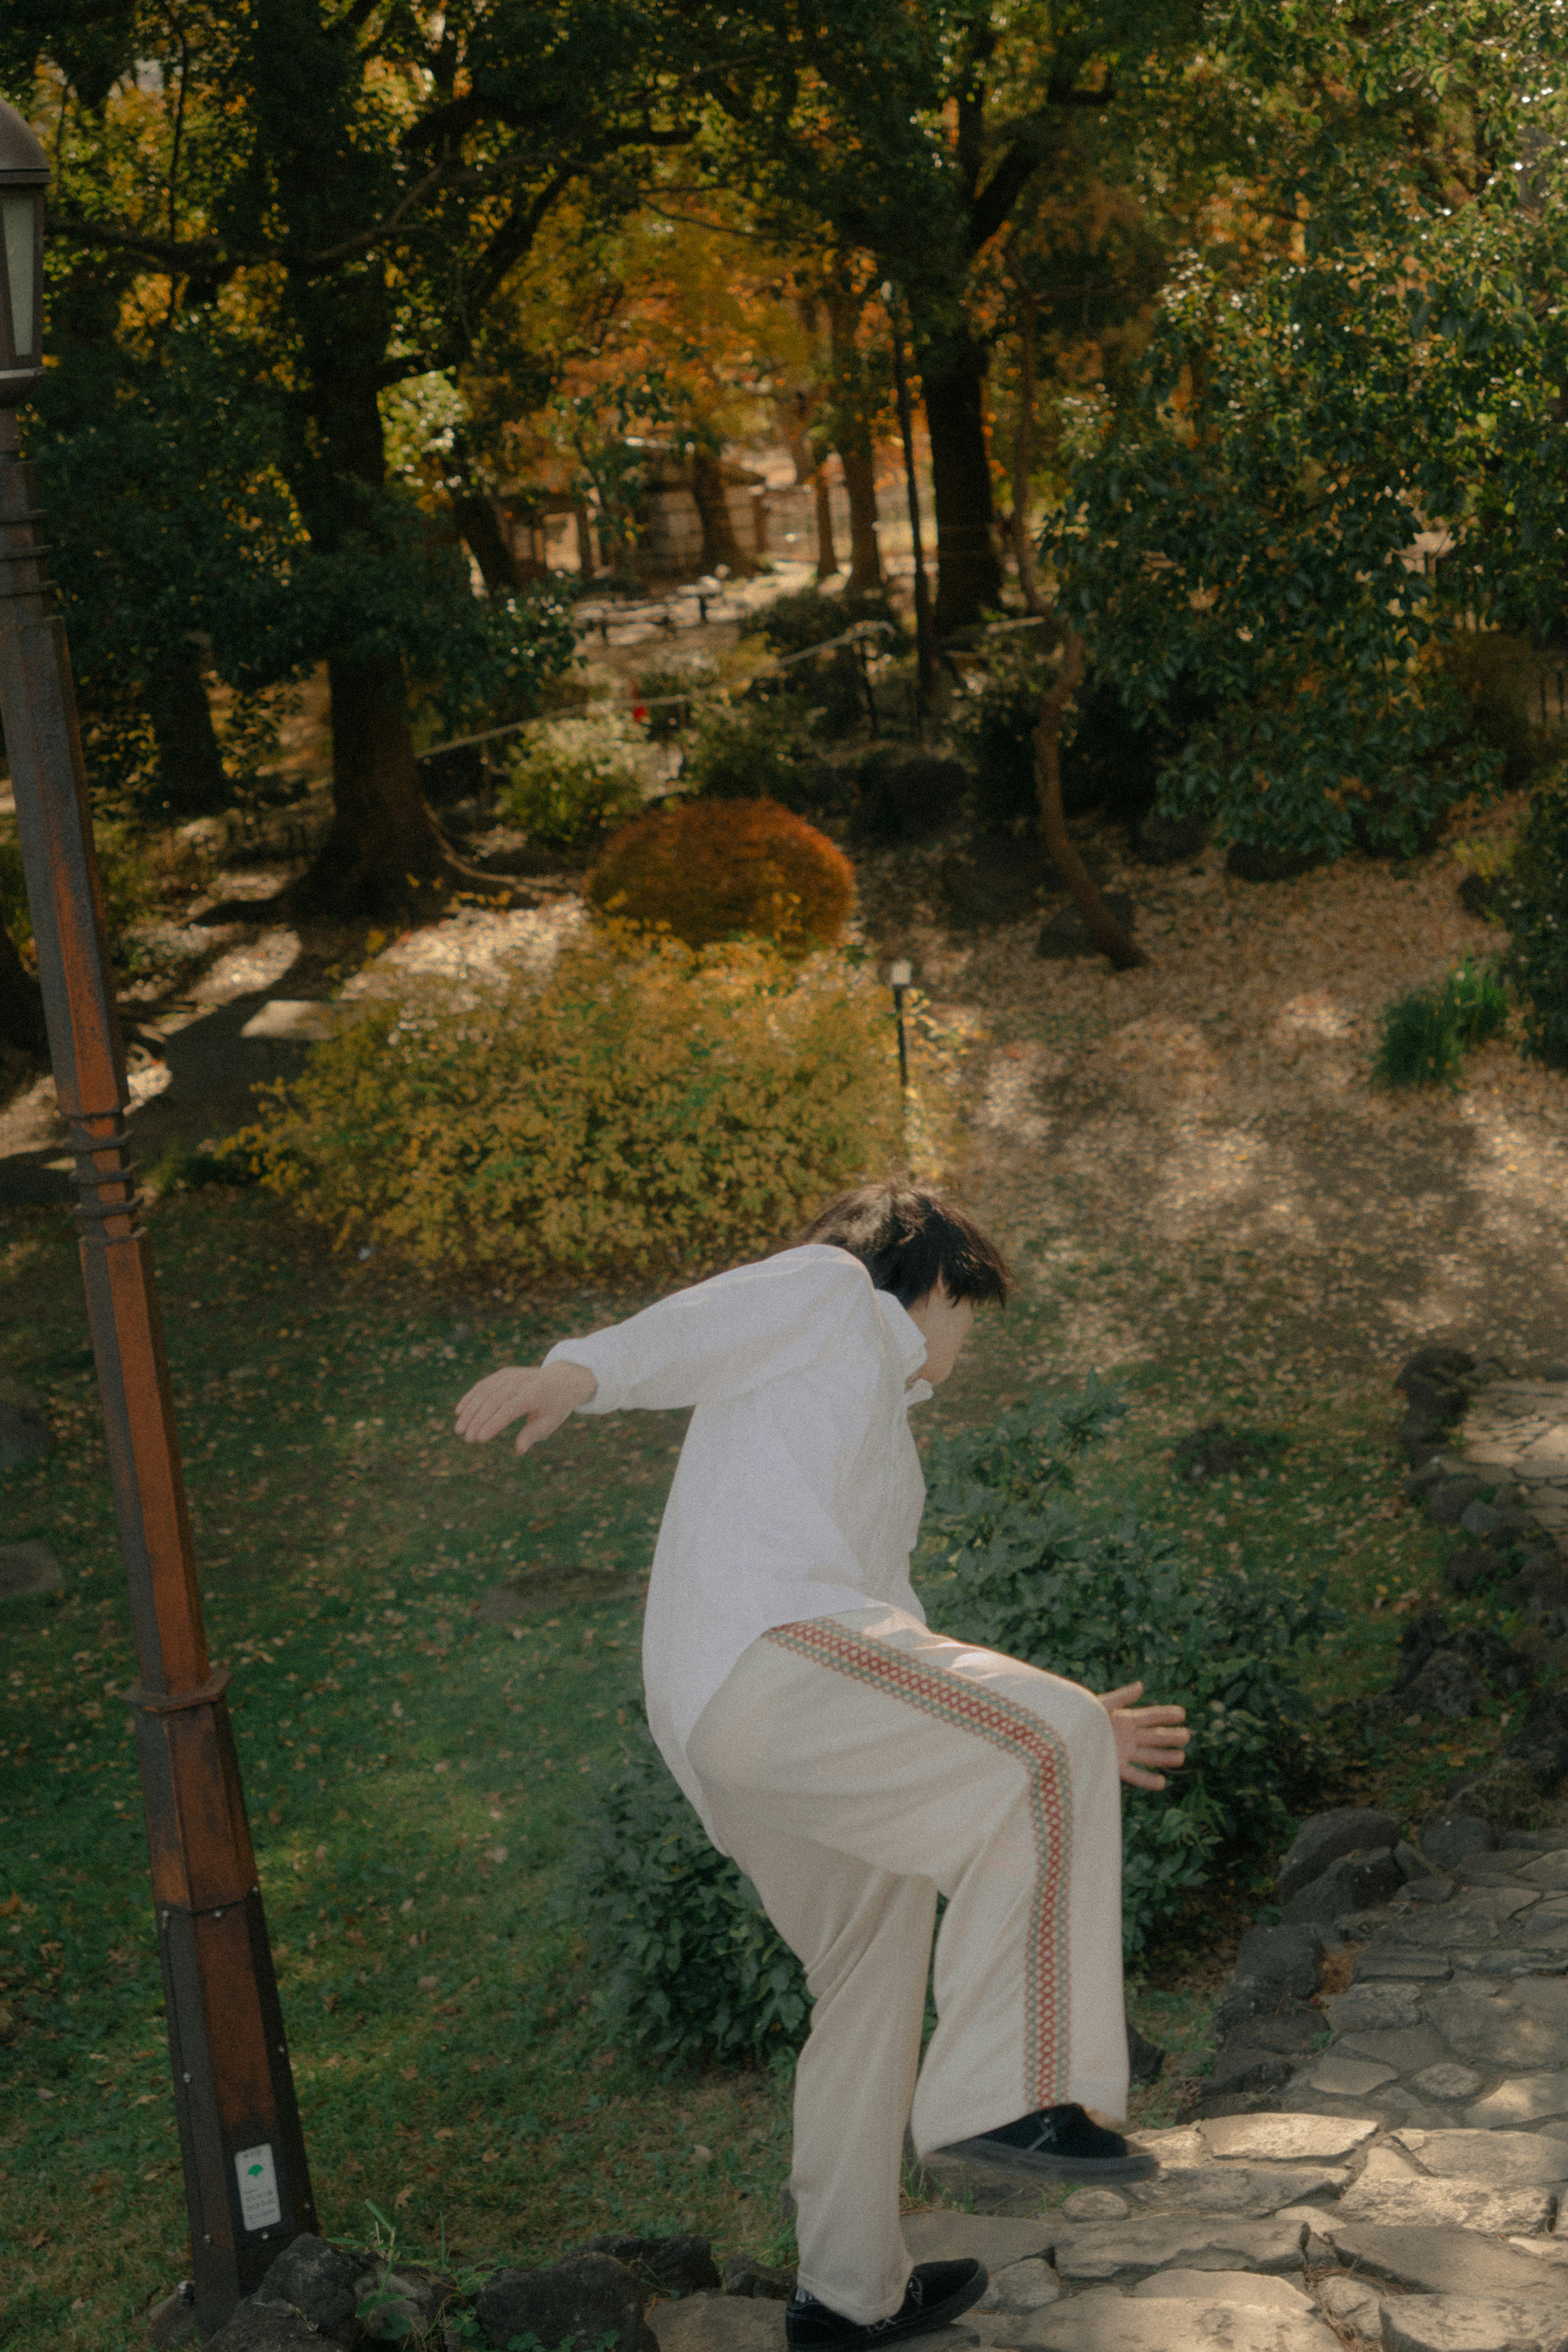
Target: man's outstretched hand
x,y
1150,1740
542,1395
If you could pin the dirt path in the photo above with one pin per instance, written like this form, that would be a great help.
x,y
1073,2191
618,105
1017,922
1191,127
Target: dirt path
x,y
1189,1160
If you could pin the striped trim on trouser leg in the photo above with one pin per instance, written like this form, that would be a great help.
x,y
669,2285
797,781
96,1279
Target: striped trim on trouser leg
x,y
971,1706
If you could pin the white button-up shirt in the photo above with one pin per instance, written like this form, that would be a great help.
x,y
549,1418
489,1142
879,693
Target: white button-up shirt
x,y
798,1490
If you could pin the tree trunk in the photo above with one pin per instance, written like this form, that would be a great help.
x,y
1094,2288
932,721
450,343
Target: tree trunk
x,y
384,850
190,766
1023,546
969,575
384,854
719,542
852,438
474,511
866,547
584,542
1098,920
827,553
21,1005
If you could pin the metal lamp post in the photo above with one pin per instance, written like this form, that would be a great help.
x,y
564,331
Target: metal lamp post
x,y
247,2186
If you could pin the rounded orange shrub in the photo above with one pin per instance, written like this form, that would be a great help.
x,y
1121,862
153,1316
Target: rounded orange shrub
x,y
713,871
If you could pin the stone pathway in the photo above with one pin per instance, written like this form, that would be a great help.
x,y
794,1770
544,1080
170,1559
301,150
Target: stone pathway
x,y
1519,1429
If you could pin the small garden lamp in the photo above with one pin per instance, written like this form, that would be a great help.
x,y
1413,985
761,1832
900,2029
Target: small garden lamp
x,y
901,978
247,2183
23,175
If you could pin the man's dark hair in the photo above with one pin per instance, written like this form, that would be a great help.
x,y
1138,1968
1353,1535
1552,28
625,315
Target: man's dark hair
x,y
909,1239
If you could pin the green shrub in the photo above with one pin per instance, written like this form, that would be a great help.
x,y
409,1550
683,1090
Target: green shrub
x,y
1534,903
755,750
1495,673
1426,1034
573,781
695,1965
808,617
642,1107
1026,1576
666,692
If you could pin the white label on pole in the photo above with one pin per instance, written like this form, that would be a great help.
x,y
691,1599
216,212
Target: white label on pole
x,y
258,2204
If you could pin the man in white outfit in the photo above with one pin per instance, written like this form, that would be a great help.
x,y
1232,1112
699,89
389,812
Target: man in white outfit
x,y
855,1764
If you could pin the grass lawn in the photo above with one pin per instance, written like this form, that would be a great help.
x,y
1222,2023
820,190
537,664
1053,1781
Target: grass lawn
x,y
414,1776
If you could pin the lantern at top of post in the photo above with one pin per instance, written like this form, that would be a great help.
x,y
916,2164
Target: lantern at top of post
x,y
24,176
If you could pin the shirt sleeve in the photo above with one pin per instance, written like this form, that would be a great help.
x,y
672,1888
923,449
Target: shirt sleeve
x,y
721,1338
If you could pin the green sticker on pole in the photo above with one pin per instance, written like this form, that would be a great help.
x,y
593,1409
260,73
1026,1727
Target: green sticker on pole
x,y
259,2206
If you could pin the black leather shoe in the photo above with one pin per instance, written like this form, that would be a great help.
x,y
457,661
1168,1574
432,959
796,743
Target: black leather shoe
x,y
936,2293
1062,2144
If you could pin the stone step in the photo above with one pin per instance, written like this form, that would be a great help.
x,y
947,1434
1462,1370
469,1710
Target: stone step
x,y
719,2323
1504,2159
1250,2191
1109,2322
989,2238
1469,2323
1390,2189
1156,2242
1433,2260
995,2188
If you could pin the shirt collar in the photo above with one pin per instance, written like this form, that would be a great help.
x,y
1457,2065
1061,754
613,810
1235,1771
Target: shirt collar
x,y
906,1333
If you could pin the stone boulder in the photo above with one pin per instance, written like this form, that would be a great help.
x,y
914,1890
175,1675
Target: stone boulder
x,y
663,2266
1446,1686
1540,1743
588,2297
742,2276
324,2283
1447,1499
1322,1838
1159,840
1453,1839
1286,1959
258,2326
26,1569
1250,861
1355,1881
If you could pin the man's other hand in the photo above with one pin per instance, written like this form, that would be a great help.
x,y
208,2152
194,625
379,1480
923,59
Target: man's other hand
x,y
541,1395
1150,1740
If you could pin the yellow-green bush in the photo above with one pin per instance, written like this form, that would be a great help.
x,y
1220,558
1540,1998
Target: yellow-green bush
x,y
643,1107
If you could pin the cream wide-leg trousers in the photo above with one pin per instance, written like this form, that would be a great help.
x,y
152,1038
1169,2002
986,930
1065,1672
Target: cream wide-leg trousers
x,y
856,1767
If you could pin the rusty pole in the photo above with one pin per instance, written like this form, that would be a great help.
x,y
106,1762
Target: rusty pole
x,y
247,2185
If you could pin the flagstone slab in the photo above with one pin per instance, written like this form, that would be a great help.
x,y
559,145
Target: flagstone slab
x,y
1469,2323
1114,2323
1029,2286
1432,2261
1375,2008
1223,2286
1348,2078
1521,2099
1500,2159
1446,2080
1390,2189
1377,1961
1269,2138
1248,2190
1550,1870
1407,2050
1156,2242
1517,2027
1353,2303
719,2323
994,2239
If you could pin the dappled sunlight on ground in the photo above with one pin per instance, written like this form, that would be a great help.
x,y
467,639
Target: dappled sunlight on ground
x,y
1191,1154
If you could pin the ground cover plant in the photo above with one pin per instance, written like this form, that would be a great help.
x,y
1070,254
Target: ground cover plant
x,y
447,2078
643,1104
1426,1034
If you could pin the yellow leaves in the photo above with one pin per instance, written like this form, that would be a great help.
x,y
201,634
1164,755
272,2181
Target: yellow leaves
x,y
645,1107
